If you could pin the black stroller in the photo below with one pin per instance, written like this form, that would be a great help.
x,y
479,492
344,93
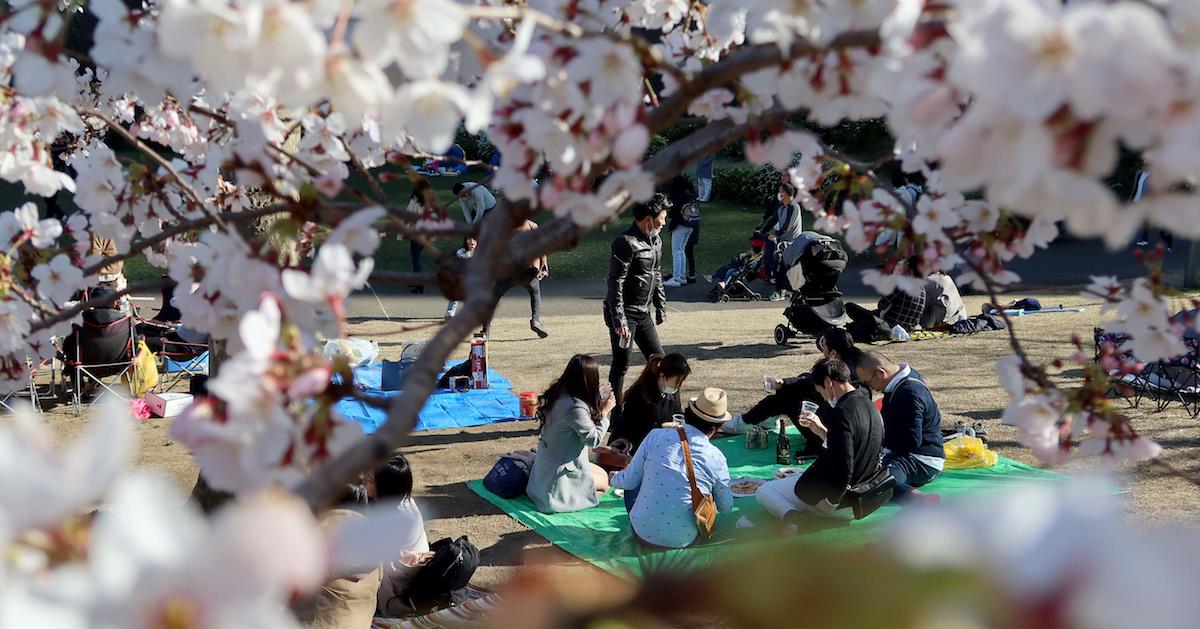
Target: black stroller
x,y
732,281
817,304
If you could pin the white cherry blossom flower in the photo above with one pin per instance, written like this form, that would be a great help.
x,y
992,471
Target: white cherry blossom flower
x,y
41,482
429,112
24,222
333,276
59,279
416,34
611,70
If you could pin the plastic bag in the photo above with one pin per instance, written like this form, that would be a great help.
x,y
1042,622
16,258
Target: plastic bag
x,y
145,373
357,351
968,452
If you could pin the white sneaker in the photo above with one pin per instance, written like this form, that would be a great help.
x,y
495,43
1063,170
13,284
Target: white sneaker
x,y
672,283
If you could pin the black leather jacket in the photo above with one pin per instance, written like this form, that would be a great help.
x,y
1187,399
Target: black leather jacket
x,y
634,279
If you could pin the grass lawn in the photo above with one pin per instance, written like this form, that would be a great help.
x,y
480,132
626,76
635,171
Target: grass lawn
x,y
725,228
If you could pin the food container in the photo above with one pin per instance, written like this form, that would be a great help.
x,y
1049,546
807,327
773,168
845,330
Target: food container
x,y
529,404
756,438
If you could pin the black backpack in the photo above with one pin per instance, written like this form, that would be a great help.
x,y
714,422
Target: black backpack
x,y
443,581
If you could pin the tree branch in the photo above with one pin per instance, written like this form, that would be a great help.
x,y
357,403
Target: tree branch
x,y
743,62
158,159
105,300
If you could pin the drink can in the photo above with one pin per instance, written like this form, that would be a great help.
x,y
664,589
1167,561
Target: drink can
x,y
625,342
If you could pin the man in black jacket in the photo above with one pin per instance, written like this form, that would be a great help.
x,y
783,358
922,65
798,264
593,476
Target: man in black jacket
x,y
912,436
786,400
852,431
636,301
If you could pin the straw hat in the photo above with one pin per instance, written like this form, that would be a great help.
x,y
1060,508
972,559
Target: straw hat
x,y
711,406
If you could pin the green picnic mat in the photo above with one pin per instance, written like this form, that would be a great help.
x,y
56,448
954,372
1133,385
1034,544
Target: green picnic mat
x,y
601,535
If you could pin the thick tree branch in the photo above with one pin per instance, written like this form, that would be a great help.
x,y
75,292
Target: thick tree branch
x,y
743,62
105,300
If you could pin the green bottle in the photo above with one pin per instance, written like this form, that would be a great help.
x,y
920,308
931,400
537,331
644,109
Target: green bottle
x,y
783,445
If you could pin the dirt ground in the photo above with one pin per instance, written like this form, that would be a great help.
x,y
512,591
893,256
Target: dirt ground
x,y
729,347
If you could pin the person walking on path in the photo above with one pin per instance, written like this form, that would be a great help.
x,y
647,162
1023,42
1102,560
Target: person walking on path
x,y
636,302
704,177
1140,188
531,280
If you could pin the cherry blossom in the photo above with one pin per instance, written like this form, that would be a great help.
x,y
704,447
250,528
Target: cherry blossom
x,y
22,224
59,279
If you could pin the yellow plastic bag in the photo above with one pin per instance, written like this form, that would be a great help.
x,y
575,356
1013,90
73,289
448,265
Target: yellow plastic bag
x,y
968,452
145,377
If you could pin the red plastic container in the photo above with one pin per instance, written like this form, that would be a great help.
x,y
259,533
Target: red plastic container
x,y
529,404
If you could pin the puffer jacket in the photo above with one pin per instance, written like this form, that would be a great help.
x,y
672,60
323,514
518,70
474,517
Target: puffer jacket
x,y
634,278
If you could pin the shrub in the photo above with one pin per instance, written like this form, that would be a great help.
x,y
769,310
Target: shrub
x,y
746,185
657,143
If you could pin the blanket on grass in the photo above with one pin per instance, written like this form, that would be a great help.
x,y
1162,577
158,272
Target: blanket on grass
x,y
444,409
602,537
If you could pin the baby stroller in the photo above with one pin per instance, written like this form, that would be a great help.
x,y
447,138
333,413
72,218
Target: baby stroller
x,y
815,262
732,281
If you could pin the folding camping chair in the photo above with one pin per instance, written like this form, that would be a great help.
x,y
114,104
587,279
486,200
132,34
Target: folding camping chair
x,y
181,360
95,350
1175,379
31,389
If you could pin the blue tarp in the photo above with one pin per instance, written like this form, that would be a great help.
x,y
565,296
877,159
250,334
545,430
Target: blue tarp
x,y
444,409
197,365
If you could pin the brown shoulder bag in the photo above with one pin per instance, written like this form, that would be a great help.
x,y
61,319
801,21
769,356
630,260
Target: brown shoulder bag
x,y
703,506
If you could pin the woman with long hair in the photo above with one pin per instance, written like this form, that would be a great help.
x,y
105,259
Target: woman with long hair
x,y
652,400
572,417
837,343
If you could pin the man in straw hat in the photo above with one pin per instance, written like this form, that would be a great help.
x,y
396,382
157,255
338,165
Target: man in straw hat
x,y
657,490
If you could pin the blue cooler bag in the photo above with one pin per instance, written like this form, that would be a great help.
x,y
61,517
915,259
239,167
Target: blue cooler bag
x,y
508,478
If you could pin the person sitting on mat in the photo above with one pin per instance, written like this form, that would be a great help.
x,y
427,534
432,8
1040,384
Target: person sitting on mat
x,y
852,433
652,400
912,436
572,416
658,491
837,343
394,482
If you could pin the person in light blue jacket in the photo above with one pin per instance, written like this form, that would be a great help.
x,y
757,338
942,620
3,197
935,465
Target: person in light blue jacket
x,y
574,417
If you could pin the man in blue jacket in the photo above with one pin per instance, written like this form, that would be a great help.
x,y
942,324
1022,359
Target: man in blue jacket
x,y
912,424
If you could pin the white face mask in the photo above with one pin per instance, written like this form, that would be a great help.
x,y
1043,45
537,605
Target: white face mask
x,y
670,390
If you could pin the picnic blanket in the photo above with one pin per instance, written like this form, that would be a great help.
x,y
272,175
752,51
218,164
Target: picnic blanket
x,y
474,611
444,409
602,537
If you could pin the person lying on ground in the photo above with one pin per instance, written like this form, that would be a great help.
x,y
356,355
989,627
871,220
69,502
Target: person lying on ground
x,y
658,492
394,482
895,309
912,435
572,416
851,431
652,400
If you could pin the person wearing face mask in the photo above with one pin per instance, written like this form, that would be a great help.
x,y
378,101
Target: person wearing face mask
x,y
652,400
787,227
636,302
851,430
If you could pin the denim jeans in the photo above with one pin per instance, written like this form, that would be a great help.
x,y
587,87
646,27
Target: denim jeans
x,y
909,472
679,239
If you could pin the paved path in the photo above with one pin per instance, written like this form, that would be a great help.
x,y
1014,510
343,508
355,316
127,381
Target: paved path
x,y
1065,264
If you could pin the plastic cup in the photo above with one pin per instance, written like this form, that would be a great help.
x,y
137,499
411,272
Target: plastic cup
x,y
769,383
808,406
